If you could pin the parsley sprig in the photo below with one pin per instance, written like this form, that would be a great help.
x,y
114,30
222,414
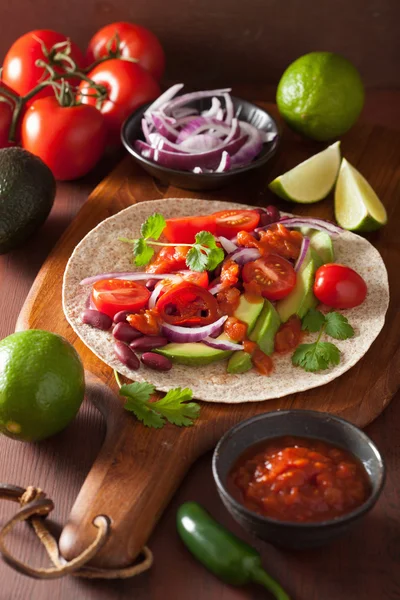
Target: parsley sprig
x,y
174,407
203,255
320,355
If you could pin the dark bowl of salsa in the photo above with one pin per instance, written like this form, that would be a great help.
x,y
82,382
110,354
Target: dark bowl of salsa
x,y
297,478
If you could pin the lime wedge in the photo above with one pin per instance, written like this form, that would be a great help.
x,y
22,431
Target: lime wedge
x,y
311,180
357,207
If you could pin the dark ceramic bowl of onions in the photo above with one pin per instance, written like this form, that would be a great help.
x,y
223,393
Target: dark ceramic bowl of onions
x,y
201,140
297,478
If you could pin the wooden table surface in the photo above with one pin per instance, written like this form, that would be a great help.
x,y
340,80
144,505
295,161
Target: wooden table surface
x,y
362,566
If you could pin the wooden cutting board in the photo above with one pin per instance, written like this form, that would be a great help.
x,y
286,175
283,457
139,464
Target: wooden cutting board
x,y
139,469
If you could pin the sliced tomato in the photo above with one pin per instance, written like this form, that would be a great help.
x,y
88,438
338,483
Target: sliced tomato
x,y
274,275
200,279
113,295
183,230
230,222
188,304
339,286
169,260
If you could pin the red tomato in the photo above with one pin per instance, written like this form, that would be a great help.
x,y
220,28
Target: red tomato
x,y
186,303
183,229
200,279
230,222
128,87
112,295
274,274
20,72
6,113
339,286
135,41
70,140
169,260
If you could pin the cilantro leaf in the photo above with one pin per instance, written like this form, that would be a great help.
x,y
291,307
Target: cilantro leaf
x,y
215,256
205,238
313,320
196,260
337,326
142,252
174,409
141,391
153,226
316,357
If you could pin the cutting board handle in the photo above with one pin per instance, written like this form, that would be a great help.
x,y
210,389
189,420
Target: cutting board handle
x,y
131,481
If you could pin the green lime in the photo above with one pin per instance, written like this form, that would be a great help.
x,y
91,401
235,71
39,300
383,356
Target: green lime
x,y
357,207
320,95
41,384
311,180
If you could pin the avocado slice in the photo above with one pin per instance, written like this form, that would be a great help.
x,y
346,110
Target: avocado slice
x,y
301,298
197,353
239,362
322,244
266,327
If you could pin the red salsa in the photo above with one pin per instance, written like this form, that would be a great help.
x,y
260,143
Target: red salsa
x,y
299,480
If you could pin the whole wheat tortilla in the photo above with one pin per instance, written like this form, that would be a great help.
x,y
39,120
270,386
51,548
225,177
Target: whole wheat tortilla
x,y
101,252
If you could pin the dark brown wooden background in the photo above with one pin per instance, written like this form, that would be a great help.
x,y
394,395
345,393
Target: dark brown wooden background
x,y
223,41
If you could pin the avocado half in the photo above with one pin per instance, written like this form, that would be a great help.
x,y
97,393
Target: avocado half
x,y
27,192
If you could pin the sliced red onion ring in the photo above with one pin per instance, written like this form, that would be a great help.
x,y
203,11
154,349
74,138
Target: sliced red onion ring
x,y
293,222
197,170
186,98
224,164
228,108
244,255
215,106
176,333
155,293
184,111
187,162
163,127
220,114
305,244
215,289
164,98
250,149
200,124
129,276
200,143
227,245
222,344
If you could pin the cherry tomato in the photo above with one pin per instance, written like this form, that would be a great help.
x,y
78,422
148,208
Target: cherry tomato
x,y
21,73
183,229
169,259
186,303
339,286
200,279
230,222
128,86
274,274
6,113
135,41
113,295
70,140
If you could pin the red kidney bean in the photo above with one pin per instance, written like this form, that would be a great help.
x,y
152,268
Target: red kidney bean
x,y
156,361
96,319
148,342
126,356
120,316
151,284
125,333
268,215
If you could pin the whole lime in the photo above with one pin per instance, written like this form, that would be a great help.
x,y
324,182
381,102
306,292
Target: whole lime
x,y
41,384
320,95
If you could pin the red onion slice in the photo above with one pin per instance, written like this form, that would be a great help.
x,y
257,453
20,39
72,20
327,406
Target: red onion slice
x,y
164,98
184,111
215,106
250,149
222,344
244,255
215,289
305,244
228,108
225,163
293,222
129,276
200,143
176,333
186,98
227,245
201,124
163,127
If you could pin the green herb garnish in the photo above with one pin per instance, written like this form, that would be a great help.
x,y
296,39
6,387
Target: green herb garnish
x,y
203,255
174,407
321,355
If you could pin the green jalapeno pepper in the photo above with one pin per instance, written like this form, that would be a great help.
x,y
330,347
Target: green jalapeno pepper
x,y
225,555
